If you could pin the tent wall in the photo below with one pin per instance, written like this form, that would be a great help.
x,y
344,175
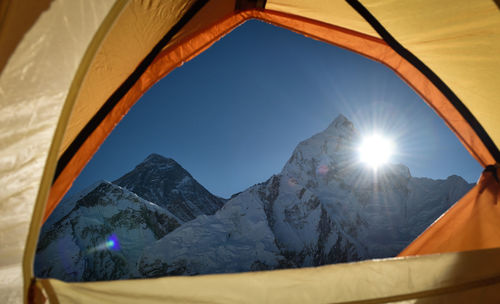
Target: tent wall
x,y
33,88
338,13
466,277
13,28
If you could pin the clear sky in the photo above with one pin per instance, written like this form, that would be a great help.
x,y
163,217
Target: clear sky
x,y
233,115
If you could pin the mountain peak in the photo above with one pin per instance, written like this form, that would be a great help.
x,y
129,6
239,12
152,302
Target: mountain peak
x,y
159,162
157,158
163,181
340,119
455,177
458,180
341,123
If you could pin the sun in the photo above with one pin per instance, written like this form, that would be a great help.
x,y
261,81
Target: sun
x,y
376,150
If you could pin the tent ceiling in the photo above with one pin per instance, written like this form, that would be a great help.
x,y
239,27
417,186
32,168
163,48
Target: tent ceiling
x,y
338,13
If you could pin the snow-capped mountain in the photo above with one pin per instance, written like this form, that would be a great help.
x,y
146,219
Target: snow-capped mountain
x,y
100,234
324,207
163,181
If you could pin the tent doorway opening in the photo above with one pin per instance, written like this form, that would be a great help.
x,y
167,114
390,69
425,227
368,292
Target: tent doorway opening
x,y
246,159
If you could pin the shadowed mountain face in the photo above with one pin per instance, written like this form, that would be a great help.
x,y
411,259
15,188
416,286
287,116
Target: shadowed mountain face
x,y
163,181
323,207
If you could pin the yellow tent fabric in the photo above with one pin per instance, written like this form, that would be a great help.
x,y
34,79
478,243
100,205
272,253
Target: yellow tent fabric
x,y
12,28
444,278
34,86
70,70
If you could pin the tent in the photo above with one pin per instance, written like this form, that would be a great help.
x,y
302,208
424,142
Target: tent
x,y
71,69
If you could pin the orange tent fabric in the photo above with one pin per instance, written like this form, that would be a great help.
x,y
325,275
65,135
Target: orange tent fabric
x,y
472,223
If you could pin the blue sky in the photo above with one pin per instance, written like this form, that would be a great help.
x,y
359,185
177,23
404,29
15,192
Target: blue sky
x,y
233,115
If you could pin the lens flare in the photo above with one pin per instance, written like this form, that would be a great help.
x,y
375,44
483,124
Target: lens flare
x,y
376,150
112,243
322,170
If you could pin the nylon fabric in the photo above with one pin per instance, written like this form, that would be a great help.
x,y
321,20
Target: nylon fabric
x,y
337,13
465,276
33,88
212,13
13,28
